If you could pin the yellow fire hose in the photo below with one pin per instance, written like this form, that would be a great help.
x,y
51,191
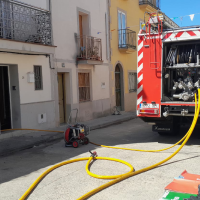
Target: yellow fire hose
x,y
121,177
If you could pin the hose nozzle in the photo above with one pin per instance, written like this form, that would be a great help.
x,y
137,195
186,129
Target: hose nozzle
x,y
93,154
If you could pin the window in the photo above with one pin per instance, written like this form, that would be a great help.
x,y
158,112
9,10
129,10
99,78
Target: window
x,y
38,77
122,28
132,76
84,87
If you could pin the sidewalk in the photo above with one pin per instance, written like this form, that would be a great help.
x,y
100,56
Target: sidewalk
x,y
18,140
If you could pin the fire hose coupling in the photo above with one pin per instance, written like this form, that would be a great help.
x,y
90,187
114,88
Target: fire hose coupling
x,y
93,154
166,113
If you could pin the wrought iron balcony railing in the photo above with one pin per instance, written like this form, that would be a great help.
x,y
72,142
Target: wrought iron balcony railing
x,y
153,3
127,39
21,22
89,48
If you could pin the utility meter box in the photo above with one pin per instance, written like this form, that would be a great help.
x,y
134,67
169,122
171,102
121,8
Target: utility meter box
x,y
30,77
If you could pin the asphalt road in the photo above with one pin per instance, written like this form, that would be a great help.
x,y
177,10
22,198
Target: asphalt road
x,y
19,171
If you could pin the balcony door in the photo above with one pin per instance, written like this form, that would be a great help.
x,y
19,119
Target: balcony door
x,y
81,29
122,28
84,33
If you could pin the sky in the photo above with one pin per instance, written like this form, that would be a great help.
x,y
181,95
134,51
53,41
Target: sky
x,y
179,8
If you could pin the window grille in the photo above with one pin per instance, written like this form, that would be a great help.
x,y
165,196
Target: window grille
x,y
132,81
38,77
84,87
22,22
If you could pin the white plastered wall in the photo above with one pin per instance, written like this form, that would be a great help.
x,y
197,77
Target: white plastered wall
x,y
100,74
65,26
25,63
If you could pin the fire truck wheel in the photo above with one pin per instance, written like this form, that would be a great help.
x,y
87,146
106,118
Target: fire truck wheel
x,y
75,144
86,140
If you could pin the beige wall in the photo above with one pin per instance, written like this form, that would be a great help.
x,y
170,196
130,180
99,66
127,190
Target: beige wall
x,y
25,63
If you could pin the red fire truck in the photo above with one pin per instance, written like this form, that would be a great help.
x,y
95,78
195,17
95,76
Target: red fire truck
x,y
168,74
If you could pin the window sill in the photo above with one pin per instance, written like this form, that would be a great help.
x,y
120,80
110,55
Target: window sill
x,y
85,101
127,50
133,91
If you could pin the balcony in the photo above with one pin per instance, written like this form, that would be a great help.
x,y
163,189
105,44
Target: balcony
x,y
20,22
127,40
149,5
89,50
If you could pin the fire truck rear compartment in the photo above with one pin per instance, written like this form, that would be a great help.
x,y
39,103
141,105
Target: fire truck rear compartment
x,y
181,71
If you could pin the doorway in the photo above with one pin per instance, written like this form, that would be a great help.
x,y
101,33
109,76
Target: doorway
x,y
119,87
61,97
5,113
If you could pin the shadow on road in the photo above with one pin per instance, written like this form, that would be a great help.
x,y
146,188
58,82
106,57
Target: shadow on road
x,y
131,132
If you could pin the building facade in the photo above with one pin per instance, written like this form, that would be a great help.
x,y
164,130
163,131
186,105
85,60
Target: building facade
x,y
26,51
126,19
54,57
81,60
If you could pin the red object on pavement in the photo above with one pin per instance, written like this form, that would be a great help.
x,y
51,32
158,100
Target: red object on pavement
x,y
189,176
184,186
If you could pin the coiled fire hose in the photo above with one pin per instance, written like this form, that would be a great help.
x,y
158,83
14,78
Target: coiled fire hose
x,y
121,177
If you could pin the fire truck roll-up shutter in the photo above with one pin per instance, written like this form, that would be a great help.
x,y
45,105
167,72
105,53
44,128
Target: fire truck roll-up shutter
x,y
149,74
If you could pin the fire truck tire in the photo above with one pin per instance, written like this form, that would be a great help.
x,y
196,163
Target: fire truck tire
x,y
75,144
86,140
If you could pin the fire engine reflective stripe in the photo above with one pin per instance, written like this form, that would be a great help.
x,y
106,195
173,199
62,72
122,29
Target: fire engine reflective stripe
x,y
140,73
139,85
181,34
167,36
140,78
191,33
140,89
139,100
140,46
140,57
139,64
140,68
140,39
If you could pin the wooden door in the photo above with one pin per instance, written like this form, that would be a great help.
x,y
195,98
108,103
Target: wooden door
x,y
61,97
